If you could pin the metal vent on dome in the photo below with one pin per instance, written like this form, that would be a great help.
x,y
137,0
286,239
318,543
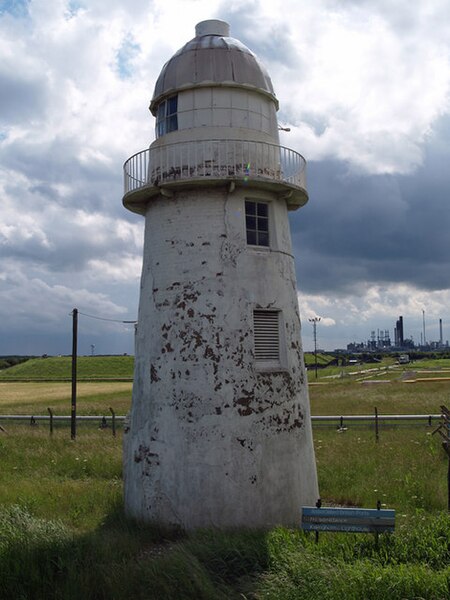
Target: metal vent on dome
x,y
266,335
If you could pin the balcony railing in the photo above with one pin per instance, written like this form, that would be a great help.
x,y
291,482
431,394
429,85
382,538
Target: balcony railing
x,y
214,159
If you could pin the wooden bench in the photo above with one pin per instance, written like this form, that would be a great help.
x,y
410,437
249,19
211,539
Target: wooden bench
x,y
350,520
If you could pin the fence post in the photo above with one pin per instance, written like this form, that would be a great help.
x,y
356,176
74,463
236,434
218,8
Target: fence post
x,y
377,534
113,422
376,425
448,477
50,412
73,413
318,505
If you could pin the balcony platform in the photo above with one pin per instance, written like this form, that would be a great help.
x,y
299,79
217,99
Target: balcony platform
x,y
160,170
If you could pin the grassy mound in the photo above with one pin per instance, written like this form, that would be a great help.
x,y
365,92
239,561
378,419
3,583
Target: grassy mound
x,y
59,368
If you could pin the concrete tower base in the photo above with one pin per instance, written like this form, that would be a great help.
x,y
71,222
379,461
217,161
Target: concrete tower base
x,y
217,437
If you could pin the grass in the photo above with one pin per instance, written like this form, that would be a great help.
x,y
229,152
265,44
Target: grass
x,y
381,367
53,477
63,534
93,398
349,398
60,368
62,515
322,359
42,560
435,363
405,469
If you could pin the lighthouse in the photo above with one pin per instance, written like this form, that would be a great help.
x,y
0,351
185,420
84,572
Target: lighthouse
x,y
219,432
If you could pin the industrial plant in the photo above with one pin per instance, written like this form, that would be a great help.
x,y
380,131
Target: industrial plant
x,y
381,340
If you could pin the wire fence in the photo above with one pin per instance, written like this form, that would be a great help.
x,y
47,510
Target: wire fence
x,y
340,422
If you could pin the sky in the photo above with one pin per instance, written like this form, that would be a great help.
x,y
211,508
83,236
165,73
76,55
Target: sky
x,y
363,85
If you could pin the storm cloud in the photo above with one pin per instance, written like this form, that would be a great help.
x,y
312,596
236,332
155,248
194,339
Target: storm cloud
x,y
364,88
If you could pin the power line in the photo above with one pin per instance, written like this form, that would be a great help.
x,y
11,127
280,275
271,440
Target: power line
x,y
105,319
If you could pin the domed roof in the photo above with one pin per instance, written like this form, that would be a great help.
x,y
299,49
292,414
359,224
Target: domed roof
x,y
211,58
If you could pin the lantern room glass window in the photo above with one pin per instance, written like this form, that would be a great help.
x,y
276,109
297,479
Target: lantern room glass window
x,y
166,116
257,223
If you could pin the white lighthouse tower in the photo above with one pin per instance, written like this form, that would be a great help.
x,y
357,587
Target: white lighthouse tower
x,y
219,432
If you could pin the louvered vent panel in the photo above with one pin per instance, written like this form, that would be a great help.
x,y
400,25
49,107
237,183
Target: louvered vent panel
x,y
267,335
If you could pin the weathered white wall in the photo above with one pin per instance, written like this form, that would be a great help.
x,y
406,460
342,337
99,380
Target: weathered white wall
x,y
212,439
227,107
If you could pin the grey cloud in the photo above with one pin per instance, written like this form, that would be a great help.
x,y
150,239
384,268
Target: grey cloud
x,y
95,186
273,45
66,246
13,341
54,239
373,229
35,314
21,99
357,229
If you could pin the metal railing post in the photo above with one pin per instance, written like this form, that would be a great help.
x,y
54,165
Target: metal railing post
x,y
113,421
50,412
244,158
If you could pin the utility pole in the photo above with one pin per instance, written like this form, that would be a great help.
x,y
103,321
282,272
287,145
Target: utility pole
x,y
314,322
423,318
73,413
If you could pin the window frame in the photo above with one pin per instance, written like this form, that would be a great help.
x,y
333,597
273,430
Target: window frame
x,y
258,218
167,116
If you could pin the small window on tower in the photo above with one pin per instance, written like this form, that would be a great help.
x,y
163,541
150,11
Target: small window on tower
x,y
266,327
257,223
166,116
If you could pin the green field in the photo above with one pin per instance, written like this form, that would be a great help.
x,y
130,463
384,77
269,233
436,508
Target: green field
x,y
59,368
63,533
395,397
93,398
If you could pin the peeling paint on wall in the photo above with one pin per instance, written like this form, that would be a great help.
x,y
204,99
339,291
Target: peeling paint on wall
x,y
203,410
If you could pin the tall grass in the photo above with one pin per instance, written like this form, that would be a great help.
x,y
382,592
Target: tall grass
x,y
78,482
121,560
406,469
63,534
345,568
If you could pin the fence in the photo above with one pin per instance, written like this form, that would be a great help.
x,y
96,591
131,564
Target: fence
x,y
104,421
344,420
339,421
214,159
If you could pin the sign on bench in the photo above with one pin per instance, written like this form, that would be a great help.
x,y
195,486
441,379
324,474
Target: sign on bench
x,y
353,520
